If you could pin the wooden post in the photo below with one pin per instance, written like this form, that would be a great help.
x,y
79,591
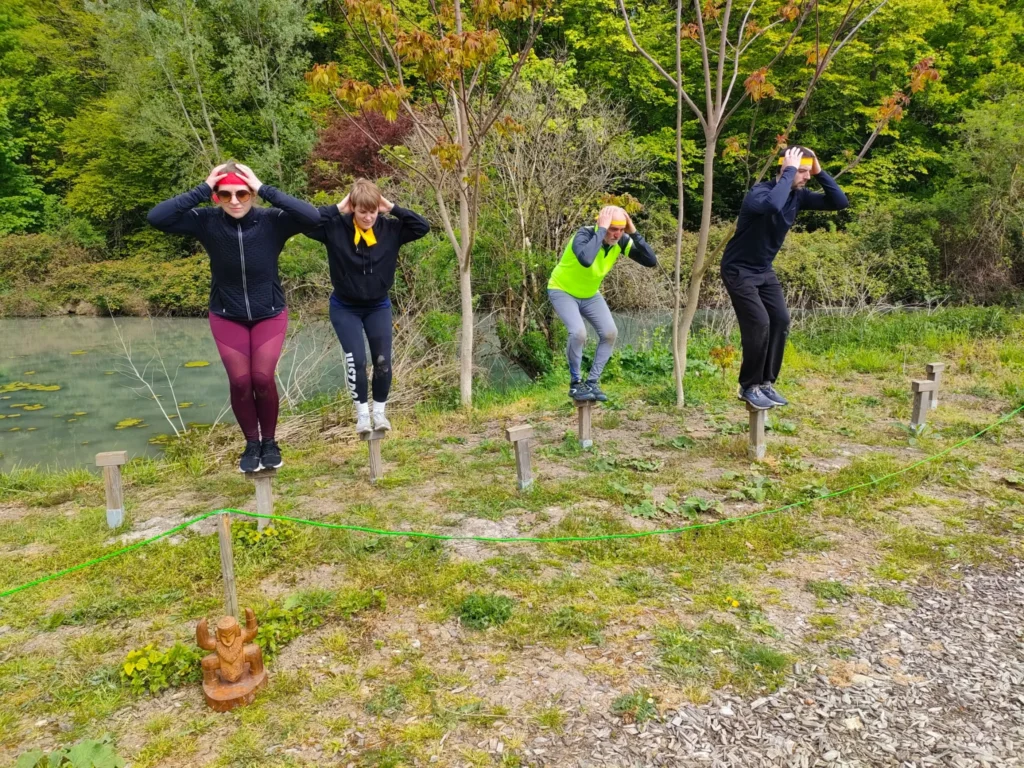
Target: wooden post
x,y
227,564
935,374
264,495
112,461
757,447
922,389
520,439
583,411
376,464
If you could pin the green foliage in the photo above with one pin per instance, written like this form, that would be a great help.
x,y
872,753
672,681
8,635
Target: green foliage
x,y
387,701
280,624
650,359
717,653
88,753
828,590
152,670
481,611
637,707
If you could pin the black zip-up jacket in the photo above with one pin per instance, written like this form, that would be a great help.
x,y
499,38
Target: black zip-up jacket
x,y
767,213
362,275
244,281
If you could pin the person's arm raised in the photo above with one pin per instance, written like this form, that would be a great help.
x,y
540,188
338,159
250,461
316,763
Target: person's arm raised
x,y
414,226
178,216
832,199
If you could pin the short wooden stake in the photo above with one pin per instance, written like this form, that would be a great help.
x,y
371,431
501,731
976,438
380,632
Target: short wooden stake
x,y
922,389
583,410
112,461
263,481
935,374
376,464
520,439
758,446
227,564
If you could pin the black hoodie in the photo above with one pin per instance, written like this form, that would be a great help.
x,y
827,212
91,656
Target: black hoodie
x,y
361,274
244,282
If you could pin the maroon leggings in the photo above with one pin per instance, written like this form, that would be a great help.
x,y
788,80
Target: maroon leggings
x,y
250,350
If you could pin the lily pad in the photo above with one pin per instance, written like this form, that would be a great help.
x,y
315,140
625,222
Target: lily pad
x,y
13,415
184,405
161,439
17,405
79,352
14,429
28,373
72,420
80,413
197,363
34,407
18,386
32,429
127,423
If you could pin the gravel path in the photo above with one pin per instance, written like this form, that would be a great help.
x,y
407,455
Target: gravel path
x,y
939,684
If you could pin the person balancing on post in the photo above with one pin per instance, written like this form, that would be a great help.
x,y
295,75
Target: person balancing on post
x,y
574,290
767,213
248,316
363,234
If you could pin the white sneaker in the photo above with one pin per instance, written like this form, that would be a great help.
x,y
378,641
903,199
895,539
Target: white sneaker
x,y
380,421
363,424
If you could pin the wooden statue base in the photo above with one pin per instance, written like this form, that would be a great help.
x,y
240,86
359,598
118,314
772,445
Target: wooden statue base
x,y
223,697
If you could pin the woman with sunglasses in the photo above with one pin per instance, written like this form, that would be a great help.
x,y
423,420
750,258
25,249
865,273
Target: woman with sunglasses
x,y
248,316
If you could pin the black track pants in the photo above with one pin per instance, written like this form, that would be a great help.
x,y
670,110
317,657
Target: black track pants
x,y
350,323
763,320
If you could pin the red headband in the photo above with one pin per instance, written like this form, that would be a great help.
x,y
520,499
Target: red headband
x,y
233,178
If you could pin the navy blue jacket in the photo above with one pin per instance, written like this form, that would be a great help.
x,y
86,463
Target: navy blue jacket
x,y
361,274
244,281
768,211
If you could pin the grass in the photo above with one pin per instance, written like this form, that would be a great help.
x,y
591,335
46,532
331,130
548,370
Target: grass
x,y
403,644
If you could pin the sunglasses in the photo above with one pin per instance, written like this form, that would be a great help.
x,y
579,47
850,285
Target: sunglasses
x,y
224,196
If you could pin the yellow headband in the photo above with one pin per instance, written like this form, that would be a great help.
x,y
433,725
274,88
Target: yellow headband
x,y
805,162
616,222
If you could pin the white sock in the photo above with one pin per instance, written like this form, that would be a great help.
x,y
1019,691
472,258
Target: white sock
x,y
362,409
378,408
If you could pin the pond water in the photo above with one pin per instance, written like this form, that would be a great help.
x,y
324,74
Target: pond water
x,y
70,388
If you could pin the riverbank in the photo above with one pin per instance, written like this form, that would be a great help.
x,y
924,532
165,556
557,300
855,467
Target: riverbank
x,y
417,652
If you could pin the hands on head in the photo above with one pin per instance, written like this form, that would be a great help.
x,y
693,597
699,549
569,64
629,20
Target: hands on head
x,y
244,172
384,206
793,156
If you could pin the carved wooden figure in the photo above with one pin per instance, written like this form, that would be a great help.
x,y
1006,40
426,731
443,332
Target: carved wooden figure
x,y
234,672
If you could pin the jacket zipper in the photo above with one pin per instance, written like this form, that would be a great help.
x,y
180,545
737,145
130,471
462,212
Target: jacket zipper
x,y
241,256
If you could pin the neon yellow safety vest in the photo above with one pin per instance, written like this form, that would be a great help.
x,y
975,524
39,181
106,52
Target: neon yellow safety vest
x,y
583,282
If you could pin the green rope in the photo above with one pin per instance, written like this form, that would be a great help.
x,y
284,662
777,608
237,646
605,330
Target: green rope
x,y
108,556
518,539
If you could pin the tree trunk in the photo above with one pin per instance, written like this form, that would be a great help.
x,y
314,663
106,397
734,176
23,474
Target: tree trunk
x,y
678,364
697,275
466,342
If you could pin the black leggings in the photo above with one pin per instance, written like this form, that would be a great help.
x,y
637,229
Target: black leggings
x,y
763,320
350,323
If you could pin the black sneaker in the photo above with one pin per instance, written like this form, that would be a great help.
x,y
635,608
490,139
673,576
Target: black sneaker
x,y
754,397
769,391
250,461
270,454
596,391
580,391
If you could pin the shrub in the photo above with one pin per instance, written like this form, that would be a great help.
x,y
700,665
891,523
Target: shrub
x,y
88,753
346,150
153,670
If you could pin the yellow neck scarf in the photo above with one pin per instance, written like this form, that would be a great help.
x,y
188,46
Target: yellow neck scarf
x,y
366,235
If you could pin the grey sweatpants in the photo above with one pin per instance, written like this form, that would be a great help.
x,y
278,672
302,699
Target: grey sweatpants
x,y
572,311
